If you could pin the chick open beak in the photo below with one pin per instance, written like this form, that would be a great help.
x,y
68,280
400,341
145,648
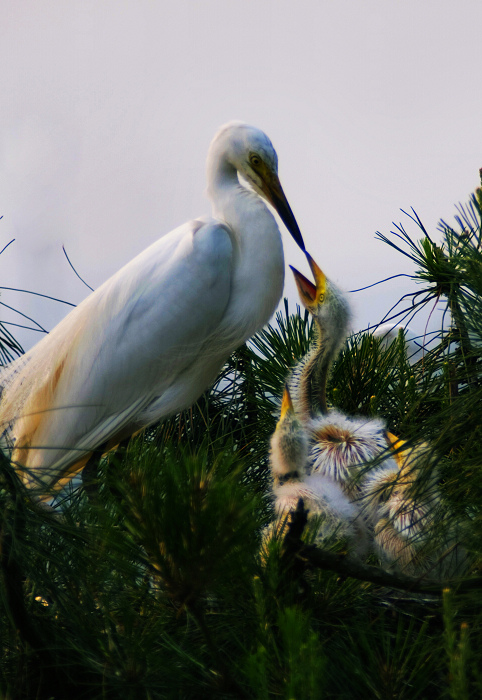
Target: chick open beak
x,y
318,274
308,291
276,197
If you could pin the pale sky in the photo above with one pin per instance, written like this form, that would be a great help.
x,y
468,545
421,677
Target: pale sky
x,y
108,108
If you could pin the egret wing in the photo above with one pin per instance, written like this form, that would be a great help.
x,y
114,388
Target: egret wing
x,y
123,347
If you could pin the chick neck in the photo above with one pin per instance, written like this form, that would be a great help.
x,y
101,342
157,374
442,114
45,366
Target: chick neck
x,y
311,374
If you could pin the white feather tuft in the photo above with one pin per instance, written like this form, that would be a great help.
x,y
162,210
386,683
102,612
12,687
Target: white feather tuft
x,y
340,446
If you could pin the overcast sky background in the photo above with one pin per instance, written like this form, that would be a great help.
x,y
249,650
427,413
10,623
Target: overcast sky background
x,y
108,108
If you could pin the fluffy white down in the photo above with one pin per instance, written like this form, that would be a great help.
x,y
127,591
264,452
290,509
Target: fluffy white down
x,y
376,486
341,445
326,501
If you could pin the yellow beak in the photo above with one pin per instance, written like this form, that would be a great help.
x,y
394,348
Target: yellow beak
x,y
276,197
395,444
286,403
318,274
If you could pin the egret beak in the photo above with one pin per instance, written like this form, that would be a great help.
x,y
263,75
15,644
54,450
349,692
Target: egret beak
x,y
276,197
286,403
318,274
391,439
395,445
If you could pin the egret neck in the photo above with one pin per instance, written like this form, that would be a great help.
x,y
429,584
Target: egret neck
x,y
258,261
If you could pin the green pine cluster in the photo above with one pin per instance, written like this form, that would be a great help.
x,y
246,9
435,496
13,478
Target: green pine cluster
x,y
160,587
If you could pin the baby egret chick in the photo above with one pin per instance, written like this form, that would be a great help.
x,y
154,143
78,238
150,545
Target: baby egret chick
x,y
409,517
331,314
412,457
417,477
406,500
403,532
289,444
151,339
341,446
336,517
397,551
376,487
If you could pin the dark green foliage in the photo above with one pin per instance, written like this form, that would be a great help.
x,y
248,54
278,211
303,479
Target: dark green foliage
x,y
158,590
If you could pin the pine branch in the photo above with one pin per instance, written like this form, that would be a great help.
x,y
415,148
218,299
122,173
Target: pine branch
x,y
311,556
322,559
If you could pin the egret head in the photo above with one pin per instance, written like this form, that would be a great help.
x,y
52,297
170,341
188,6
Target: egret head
x,y
289,443
324,300
250,153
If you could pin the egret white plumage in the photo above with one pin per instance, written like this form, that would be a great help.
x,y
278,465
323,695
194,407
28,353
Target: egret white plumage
x,y
153,337
414,345
336,516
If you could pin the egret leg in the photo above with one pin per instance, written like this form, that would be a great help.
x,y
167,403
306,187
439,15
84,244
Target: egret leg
x,y
122,449
90,481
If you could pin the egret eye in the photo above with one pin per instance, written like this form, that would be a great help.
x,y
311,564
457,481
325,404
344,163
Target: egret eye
x,y
255,160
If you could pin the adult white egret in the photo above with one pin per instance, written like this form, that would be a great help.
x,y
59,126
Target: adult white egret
x,y
414,345
150,340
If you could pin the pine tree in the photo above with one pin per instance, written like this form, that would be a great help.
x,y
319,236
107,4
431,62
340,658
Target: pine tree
x,y
162,588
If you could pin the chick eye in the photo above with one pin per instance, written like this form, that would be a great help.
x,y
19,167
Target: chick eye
x,y
255,160
321,298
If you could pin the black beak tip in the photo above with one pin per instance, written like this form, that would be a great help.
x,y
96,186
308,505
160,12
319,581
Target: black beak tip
x,y
283,208
296,234
300,241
